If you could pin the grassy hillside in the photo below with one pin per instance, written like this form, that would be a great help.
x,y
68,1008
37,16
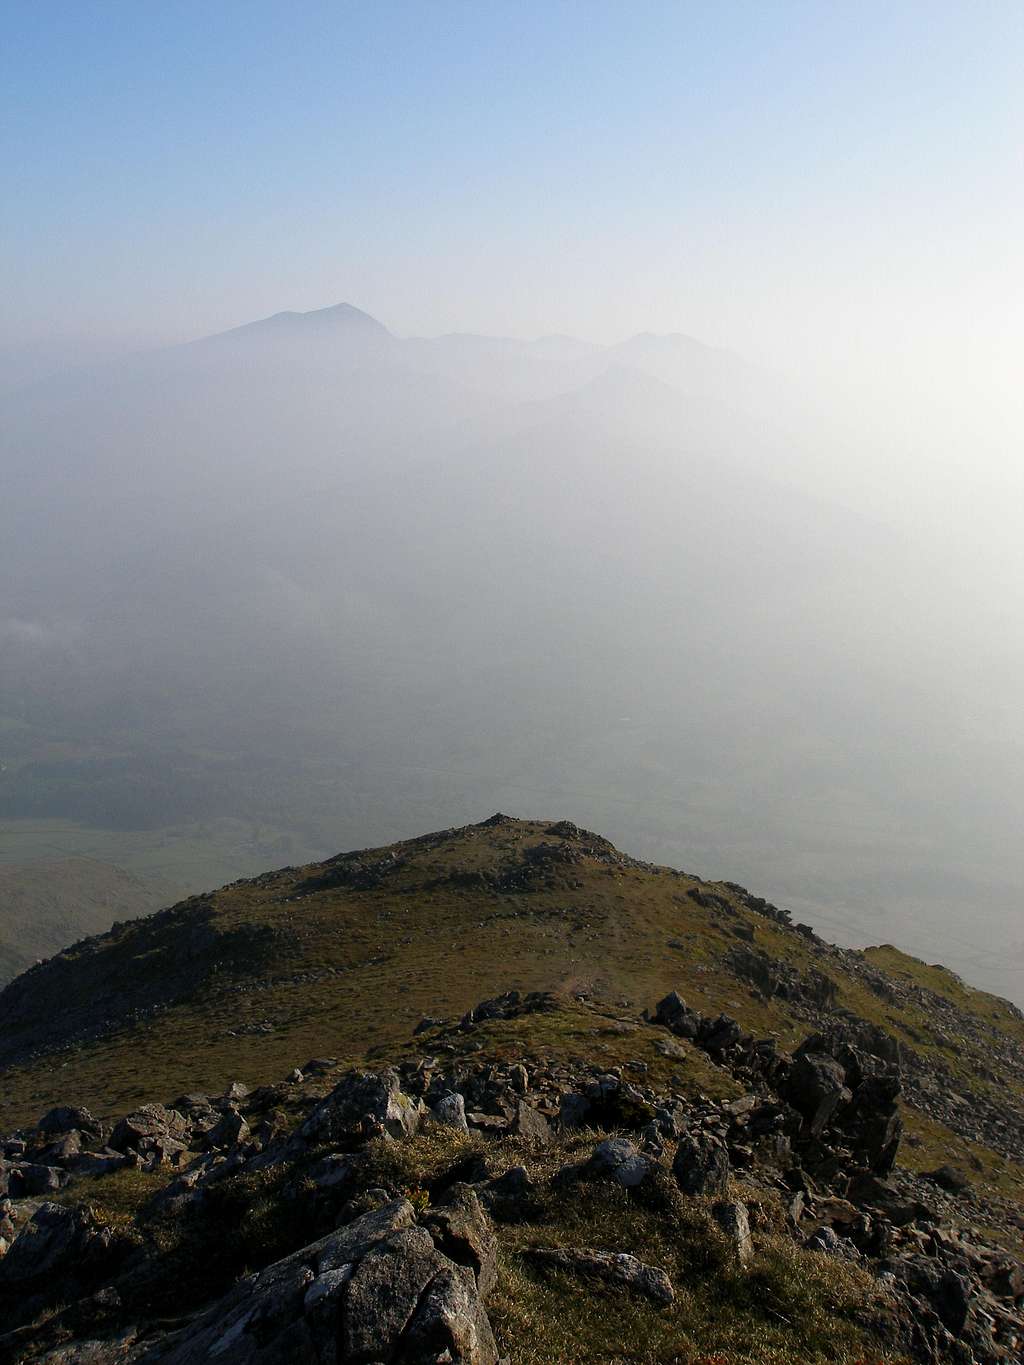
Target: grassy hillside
x,y
48,903
328,958
381,958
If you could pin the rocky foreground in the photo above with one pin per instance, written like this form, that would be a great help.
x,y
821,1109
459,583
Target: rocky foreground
x,y
486,1200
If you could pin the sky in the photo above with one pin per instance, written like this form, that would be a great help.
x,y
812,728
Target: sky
x,y
834,188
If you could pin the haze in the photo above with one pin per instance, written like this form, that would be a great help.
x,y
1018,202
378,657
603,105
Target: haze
x,y
593,411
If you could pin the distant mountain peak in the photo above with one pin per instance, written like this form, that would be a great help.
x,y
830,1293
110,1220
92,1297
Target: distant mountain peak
x,y
337,315
340,319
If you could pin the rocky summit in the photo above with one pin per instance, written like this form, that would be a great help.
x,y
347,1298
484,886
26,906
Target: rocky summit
x,y
503,1093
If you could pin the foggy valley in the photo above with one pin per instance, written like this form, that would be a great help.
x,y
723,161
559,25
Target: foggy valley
x,y
307,586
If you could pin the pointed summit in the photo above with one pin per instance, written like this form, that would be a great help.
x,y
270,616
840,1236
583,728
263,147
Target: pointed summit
x,y
339,320
338,315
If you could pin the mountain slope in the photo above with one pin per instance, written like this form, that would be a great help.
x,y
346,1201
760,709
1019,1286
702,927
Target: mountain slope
x,y
50,902
337,957
557,1172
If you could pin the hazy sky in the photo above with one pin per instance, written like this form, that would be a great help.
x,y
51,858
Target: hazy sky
x,y
827,185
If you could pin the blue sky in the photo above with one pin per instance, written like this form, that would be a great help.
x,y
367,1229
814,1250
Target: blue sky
x,y
775,176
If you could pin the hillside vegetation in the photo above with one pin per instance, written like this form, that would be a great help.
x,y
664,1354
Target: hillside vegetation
x,y
560,1104
48,903
338,957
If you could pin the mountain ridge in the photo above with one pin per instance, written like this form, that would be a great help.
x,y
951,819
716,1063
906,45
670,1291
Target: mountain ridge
x,y
326,955
684,1128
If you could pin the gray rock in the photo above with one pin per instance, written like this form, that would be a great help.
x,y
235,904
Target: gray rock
x,y
461,1229
723,1033
731,1216
671,1048
324,1288
54,1240
264,1317
228,1131
28,1179
450,1109
96,1163
194,1103
449,1324
816,1087
331,1171
826,1239
519,1078
508,1190
361,1101
619,1160
948,1178
65,1118
149,1129
614,1267
319,1066
67,1146
529,1123
701,1165
669,1009
573,1110
384,1291
375,1290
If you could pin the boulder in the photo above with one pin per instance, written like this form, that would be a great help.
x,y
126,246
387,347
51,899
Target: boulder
x,y
671,1048
97,1163
31,1179
376,1290
65,1118
827,1241
530,1123
450,1110
63,1149
945,1290
720,1034
701,1165
55,1240
331,1172
573,1110
461,1229
228,1131
195,1104
670,1008
948,1178
383,1292
519,1078
149,1129
674,1013
731,1216
361,1102
815,1087
449,1324
508,1193
618,1159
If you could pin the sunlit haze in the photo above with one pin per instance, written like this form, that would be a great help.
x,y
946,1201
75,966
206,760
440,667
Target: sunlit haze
x,y
663,471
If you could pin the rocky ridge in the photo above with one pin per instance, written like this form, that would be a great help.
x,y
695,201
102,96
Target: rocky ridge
x,y
381,1268
798,1151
